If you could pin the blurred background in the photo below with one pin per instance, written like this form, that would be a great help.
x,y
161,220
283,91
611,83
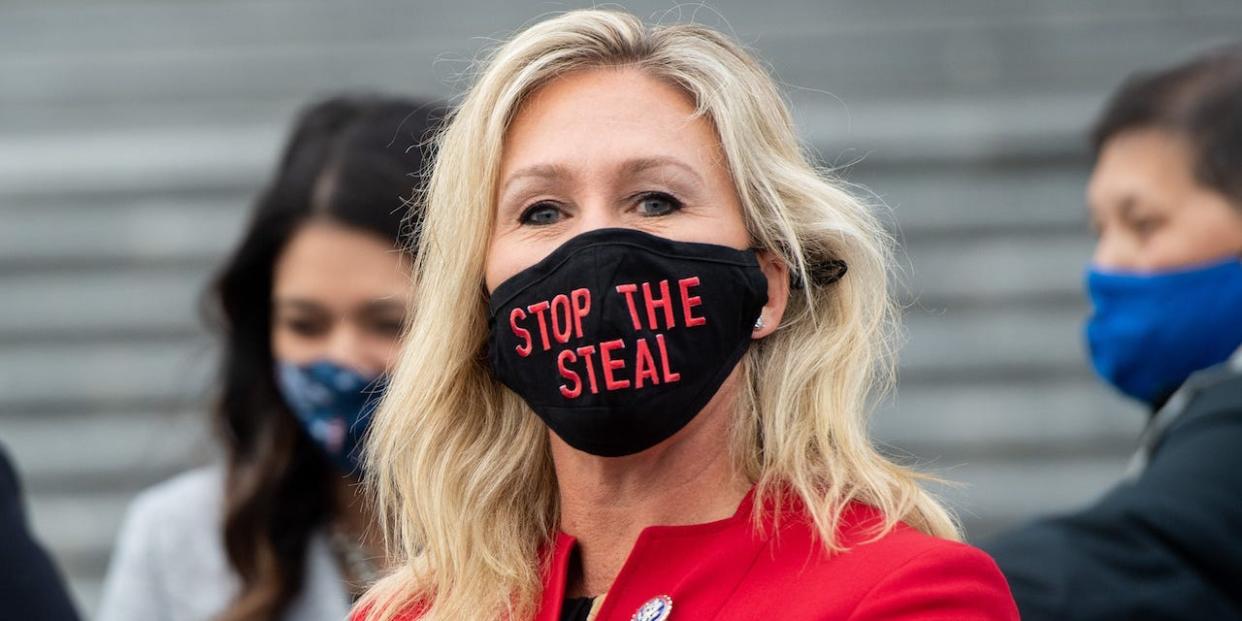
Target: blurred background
x,y
134,134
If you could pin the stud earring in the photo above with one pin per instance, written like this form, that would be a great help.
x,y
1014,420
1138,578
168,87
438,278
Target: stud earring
x,y
759,323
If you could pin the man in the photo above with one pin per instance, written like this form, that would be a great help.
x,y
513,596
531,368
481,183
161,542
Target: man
x,y
1166,329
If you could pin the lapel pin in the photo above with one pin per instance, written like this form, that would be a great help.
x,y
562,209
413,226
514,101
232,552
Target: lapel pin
x,y
656,609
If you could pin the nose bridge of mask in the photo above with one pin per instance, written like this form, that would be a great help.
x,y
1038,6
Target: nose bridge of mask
x,y
611,268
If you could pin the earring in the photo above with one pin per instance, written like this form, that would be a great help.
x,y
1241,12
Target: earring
x,y
759,323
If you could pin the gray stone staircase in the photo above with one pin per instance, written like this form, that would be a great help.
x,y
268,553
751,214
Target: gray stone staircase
x,y
133,135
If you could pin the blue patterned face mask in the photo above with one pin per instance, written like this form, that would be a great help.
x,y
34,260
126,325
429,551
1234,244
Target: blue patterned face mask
x,y
334,404
1148,332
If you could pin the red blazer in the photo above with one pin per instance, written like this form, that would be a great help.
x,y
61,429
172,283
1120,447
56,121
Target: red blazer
x,y
725,571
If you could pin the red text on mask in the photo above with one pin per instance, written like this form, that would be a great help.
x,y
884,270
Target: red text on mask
x,y
563,314
646,370
616,364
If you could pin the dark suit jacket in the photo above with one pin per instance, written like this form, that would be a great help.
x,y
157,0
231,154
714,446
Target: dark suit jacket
x,y
30,586
1165,545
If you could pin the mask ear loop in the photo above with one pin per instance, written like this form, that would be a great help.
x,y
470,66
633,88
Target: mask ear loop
x,y
823,273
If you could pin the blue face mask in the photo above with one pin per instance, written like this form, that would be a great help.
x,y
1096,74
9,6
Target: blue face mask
x,y
334,404
1148,332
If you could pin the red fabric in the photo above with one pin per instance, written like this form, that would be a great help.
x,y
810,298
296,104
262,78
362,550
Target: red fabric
x,y
725,571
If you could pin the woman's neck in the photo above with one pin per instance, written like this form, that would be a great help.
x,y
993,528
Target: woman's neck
x,y
607,502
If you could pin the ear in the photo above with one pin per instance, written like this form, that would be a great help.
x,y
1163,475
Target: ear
x,y
777,273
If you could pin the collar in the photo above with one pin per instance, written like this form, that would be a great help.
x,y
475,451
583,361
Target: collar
x,y
1171,412
660,555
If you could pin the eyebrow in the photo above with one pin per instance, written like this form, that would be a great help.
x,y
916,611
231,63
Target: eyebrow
x,y
299,304
370,306
629,167
640,165
542,171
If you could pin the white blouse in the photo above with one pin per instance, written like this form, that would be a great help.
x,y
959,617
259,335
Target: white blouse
x,y
170,563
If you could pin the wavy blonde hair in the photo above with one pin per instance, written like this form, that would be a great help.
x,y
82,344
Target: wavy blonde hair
x,y
459,465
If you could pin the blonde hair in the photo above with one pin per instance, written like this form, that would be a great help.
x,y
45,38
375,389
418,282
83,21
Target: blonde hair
x,y
460,467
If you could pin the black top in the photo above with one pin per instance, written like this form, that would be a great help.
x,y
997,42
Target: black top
x,y
576,608
30,587
1166,545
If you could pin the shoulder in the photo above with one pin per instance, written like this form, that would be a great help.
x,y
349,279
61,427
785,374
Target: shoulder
x,y
1174,517
902,545
865,544
937,578
8,476
901,574
191,497
169,556
171,562
184,509
12,513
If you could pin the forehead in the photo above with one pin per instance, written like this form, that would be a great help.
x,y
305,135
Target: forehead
x,y
1141,163
598,117
325,259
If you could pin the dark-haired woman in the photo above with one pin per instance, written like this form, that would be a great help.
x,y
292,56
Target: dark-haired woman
x,y
310,307
1166,330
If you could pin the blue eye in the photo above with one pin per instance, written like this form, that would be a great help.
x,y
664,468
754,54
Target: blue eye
x,y
541,214
657,204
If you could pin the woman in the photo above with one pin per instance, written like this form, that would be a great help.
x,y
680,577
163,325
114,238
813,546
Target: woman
x,y
643,364
309,307
1166,288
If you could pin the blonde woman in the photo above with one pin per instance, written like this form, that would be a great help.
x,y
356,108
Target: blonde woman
x,y
647,330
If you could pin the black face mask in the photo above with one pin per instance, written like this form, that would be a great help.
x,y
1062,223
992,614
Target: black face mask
x,y
619,338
